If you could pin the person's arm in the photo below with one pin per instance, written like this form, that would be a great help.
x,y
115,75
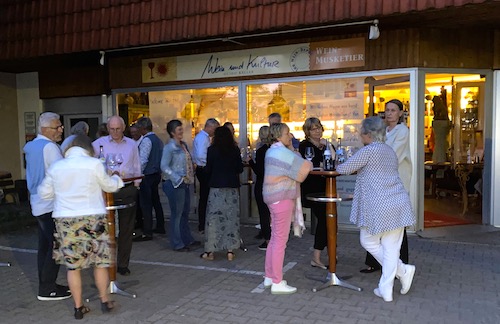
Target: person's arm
x,y
136,164
355,162
144,151
300,168
399,143
200,149
46,188
106,182
166,160
51,153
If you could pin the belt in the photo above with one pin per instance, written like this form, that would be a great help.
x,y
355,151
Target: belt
x,y
200,166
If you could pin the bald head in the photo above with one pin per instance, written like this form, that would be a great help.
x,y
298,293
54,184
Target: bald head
x,y
116,127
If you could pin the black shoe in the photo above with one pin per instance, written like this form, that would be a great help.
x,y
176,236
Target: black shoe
x,y
159,231
263,246
369,270
80,311
107,307
142,238
195,243
259,236
123,271
62,288
184,249
57,294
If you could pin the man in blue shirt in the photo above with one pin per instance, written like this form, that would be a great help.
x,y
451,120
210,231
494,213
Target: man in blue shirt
x,y
200,146
40,154
150,152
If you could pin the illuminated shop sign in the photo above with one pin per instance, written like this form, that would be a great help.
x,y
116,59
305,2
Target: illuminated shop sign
x,y
261,61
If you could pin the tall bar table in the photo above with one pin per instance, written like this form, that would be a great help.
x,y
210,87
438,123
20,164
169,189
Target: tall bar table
x,y
112,208
331,200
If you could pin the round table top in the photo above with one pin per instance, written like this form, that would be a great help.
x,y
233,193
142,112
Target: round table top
x,y
324,173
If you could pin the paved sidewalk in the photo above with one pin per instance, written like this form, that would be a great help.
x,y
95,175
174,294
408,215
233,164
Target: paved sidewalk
x,y
457,281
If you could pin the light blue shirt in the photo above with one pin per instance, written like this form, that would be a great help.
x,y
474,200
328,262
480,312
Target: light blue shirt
x,y
200,146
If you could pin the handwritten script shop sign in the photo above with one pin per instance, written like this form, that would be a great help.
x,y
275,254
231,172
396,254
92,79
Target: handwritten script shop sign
x,y
261,61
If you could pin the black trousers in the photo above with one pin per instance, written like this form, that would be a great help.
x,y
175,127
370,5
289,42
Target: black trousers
x,y
47,267
150,199
320,236
126,219
403,254
202,202
264,213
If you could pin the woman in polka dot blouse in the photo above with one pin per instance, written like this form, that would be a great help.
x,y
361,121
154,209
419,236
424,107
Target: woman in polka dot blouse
x,y
381,207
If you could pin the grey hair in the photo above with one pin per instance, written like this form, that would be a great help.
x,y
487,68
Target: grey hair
x,y
144,122
80,128
212,122
374,126
45,119
275,131
83,141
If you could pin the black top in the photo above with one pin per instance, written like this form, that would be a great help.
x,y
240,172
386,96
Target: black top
x,y
223,168
258,165
313,183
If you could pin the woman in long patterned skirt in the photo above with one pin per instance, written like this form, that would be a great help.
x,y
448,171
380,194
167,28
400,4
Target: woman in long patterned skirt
x,y
222,224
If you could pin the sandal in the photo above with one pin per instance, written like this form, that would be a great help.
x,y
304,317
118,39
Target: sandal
x,y
369,270
80,311
107,306
230,256
207,256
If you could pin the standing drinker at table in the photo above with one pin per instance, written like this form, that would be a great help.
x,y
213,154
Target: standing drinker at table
x,y
397,137
284,171
201,143
115,143
76,184
313,129
41,153
381,206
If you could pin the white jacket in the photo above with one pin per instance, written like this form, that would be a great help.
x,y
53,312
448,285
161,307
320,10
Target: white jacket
x,y
76,184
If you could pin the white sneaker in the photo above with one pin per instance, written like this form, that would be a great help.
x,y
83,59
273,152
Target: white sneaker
x,y
377,293
282,288
407,279
268,282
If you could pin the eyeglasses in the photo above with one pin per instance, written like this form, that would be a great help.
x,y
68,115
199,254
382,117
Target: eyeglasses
x,y
56,128
316,129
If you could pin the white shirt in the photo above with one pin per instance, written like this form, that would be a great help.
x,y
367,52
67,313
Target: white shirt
x,y
145,147
200,146
51,153
76,184
398,139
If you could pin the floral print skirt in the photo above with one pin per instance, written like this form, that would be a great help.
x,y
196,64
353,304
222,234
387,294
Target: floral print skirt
x,y
222,223
82,242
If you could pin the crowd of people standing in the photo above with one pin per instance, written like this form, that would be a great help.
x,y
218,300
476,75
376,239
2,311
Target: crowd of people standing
x,y
282,182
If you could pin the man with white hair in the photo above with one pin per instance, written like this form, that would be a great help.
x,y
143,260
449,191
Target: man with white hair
x,y
116,143
40,154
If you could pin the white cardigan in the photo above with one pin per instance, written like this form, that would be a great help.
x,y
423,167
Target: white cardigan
x,y
76,184
399,139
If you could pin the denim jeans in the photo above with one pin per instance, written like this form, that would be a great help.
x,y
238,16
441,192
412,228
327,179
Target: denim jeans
x,y
47,267
180,201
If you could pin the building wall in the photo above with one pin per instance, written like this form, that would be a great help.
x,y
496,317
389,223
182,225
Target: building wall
x,y
9,127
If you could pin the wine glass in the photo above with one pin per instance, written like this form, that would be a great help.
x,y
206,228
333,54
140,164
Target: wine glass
x,y
111,162
151,66
309,153
119,159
